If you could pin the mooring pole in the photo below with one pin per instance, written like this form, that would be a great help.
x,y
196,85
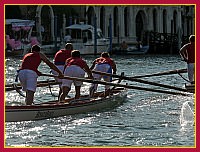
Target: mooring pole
x,y
95,35
55,31
110,33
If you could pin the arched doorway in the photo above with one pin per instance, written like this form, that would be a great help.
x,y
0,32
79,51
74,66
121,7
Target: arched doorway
x,y
115,22
45,24
126,21
139,25
102,19
155,22
90,15
164,21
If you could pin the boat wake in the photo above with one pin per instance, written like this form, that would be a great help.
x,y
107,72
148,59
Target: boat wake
x,y
187,115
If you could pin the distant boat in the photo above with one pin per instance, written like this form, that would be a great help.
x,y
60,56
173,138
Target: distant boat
x,y
18,34
141,50
82,38
19,38
131,50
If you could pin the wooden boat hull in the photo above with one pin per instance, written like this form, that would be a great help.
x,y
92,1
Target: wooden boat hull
x,y
52,109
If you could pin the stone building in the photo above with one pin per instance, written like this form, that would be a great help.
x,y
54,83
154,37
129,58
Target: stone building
x,y
153,25
164,27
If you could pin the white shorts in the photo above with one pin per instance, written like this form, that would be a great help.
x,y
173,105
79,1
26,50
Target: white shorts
x,y
191,70
102,68
61,68
28,79
73,71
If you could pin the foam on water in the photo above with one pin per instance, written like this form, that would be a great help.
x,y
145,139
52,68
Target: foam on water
x,y
187,114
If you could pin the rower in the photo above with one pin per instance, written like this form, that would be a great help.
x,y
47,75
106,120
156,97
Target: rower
x,y
103,64
75,66
59,60
187,53
28,72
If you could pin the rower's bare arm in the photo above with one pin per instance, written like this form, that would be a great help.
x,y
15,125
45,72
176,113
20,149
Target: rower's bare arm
x,y
183,52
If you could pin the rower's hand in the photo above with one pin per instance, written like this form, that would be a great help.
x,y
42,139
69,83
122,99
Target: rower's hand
x,y
90,76
60,76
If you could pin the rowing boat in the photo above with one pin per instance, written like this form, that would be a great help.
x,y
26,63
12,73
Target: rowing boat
x,y
70,106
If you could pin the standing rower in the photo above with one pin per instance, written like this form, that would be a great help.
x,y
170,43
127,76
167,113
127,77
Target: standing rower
x,y
103,64
59,60
187,52
75,67
28,72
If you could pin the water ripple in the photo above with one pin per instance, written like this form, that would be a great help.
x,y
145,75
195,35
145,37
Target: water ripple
x,y
145,119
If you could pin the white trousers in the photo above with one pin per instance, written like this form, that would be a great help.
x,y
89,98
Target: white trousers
x,y
61,68
73,71
102,68
28,79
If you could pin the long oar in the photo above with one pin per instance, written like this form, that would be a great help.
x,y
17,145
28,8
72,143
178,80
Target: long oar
x,y
117,85
141,81
9,87
18,84
162,73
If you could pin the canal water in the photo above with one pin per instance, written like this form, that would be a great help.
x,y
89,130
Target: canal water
x,y
146,119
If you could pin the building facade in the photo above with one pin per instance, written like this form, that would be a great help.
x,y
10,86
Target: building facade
x,y
164,27
150,24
